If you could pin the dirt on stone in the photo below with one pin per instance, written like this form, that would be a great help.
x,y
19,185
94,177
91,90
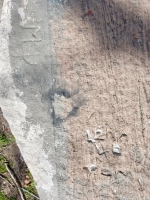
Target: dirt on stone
x,y
106,56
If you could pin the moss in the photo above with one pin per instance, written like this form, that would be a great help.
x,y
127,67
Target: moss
x,y
2,165
6,140
2,196
11,163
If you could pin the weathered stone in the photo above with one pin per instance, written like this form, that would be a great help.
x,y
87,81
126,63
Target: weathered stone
x,y
135,154
61,74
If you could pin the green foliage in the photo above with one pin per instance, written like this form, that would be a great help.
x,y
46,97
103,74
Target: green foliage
x,y
11,163
6,140
2,196
31,187
12,198
2,165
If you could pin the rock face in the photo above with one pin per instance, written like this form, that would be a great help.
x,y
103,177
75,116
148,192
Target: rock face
x,y
67,75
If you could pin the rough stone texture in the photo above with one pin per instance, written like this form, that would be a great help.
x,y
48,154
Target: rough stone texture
x,y
69,72
1,5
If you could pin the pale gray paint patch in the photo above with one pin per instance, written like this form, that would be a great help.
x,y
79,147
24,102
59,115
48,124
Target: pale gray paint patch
x,y
19,93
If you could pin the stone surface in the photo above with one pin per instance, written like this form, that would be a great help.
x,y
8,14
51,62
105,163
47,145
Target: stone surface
x,y
63,72
1,6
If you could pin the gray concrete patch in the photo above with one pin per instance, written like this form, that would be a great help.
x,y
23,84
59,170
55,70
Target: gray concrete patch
x,y
26,80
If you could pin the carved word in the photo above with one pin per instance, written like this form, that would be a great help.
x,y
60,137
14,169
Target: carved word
x,y
117,149
90,168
